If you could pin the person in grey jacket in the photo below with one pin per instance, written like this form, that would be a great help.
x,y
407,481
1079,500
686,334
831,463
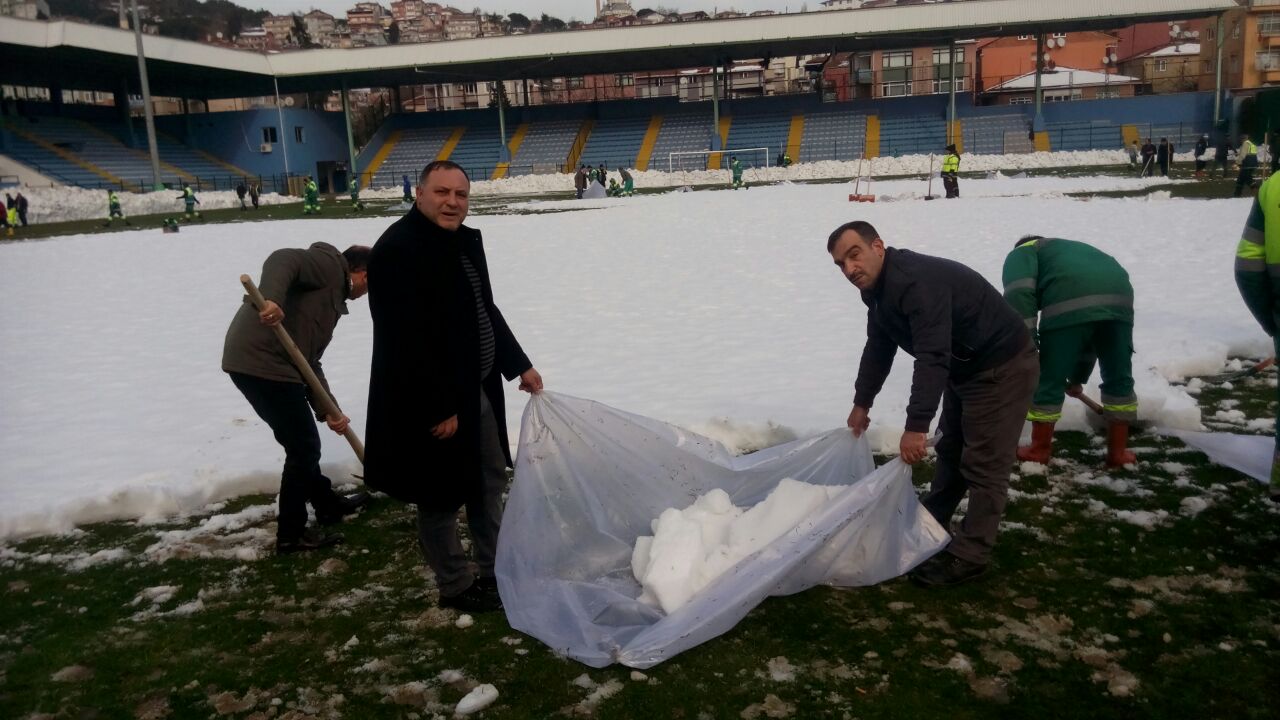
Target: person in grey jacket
x,y
306,291
973,353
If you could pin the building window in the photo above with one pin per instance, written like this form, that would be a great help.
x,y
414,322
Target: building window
x,y
1268,24
895,89
941,56
624,80
269,134
1020,100
1106,94
896,59
944,86
576,83
1058,35
1162,65
1062,95
1235,63
1235,31
1268,60
299,134
1024,37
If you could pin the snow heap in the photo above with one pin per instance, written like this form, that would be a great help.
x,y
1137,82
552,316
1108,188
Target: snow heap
x,y
61,204
690,548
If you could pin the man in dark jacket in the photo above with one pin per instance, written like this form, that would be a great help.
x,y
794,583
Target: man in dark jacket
x,y
306,291
1164,155
580,180
22,209
1202,147
1222,155
973,352
437,432
1148,158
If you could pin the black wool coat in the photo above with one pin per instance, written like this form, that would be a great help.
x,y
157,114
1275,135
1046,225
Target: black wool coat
x,y
426,364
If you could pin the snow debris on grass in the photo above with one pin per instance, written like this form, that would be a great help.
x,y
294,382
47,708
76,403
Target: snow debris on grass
x,y
72,674
1003,659
638,676
1194,505
375,665
1037,533
583,681
76,561
355,597
772,707
450,677
1120,682
1145,519
464,621
416,694
1175,588
960,663
101,557
599,693
1261,425
157,595
1032,468
331,566
511,640
781,670
234,536
1173,468
1140,607
478,699
352,643
63,203
899,606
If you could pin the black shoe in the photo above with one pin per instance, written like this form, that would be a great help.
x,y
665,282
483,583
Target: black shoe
x,y
489,586
472,600
945,569
345,506
311,539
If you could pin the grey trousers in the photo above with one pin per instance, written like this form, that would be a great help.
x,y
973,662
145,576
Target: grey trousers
x,y
438,531
981,422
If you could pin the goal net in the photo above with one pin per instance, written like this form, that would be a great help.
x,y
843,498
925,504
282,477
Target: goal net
x,y
701,159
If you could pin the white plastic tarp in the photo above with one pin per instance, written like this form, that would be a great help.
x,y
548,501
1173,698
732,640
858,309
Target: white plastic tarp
x,y
1249,454
589,480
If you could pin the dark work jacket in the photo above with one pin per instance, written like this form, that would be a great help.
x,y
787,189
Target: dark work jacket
x,y
942,313
426,364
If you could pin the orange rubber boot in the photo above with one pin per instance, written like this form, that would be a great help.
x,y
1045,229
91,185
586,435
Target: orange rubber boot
x,y
1117,442
1041,447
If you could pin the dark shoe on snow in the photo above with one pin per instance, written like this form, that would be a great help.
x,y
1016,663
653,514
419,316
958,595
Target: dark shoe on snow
x,y
346,506
472,600
311,539
944,570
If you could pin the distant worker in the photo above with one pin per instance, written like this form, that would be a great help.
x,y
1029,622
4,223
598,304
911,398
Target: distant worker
x,y
615,190
1085,300
407,188
580,180
1256,255
114,210
602,176
241,191
1202,147
253,194
784,160
189,202
1247,159
11,215
22,209
628,184
1164,156
1222,156
1133,153
951,172
354,188
1148,158
311,198
735,167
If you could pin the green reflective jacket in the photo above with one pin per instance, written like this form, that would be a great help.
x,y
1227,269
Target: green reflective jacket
x,y
1067,283
951,163
1258,257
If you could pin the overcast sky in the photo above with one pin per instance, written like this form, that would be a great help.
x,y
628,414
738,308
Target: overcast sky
x,y
564,9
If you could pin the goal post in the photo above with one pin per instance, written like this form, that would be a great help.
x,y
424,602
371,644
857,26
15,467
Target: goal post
x,y
698,158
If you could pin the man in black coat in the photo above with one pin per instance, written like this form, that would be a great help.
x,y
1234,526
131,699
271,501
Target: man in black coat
x,y
437,432
1148,158
974,353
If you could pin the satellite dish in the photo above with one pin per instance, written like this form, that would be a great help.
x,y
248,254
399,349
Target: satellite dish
x,y
1046,57
288,101
1195,33
1062,42
1105,59
1177,28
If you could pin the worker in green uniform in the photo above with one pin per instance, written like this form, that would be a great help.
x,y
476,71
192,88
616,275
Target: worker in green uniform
x,y
950,172
1248,161
1257,257
735,166
1084,301
628,183
189,202
114,211
311,198
354,188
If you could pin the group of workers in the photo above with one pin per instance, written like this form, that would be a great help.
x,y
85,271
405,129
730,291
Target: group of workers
x,y
587,175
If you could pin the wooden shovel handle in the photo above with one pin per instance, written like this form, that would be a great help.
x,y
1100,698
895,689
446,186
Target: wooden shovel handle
x,y
325,402
1090,403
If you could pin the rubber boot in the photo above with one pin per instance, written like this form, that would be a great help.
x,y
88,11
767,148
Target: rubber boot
x,y
1041,447
1117,441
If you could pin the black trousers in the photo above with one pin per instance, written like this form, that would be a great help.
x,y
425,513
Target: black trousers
x,y
284,408
952,184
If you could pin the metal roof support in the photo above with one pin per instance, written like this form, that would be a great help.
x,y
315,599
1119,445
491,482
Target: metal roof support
x,y
504,153
146,103
353,172
715,105
951,108
284,146
1217,73
1037,124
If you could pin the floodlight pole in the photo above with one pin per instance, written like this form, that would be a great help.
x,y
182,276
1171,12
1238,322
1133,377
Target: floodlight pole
x,y
1037,124
715,106
284,146
504,153
146,102
951,119
351,145
1217,82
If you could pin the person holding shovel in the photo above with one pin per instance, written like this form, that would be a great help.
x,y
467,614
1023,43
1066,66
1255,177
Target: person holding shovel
x,y
1080,301
306,290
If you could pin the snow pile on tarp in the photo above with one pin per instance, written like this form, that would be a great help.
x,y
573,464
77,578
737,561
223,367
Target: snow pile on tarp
x,y
60,204
589,481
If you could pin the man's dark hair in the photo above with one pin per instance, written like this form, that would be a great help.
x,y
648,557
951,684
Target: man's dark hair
x,y
357,257
1025,239
440,165
863,229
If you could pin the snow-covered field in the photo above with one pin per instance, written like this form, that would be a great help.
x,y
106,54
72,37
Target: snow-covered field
x,y
719,310
60,204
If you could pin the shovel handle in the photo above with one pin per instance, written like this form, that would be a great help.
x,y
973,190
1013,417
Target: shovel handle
x,y
318,392
1090,403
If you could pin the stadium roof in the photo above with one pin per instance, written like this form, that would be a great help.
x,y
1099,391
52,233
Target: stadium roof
x,y
1063,77
90,57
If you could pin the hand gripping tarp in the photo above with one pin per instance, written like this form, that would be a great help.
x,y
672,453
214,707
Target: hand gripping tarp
x,y
590,478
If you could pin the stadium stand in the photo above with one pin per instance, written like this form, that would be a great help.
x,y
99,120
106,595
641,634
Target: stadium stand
x,y
912,135
545,147
477,152
996,134
833,136
415,148
682,132
759,130
615,142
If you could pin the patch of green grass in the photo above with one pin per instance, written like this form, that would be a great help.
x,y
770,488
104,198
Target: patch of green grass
x,y
1084,614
